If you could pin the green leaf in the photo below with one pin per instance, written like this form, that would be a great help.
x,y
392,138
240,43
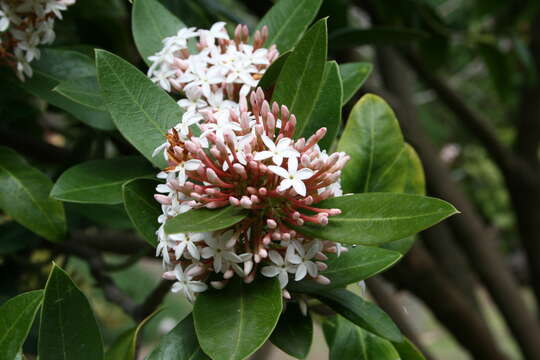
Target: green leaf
x,y
294,332
56,66
16,318
351,342
353,75
142,112
68,329
300,80
373,140
357,264
179,344
14,237
272,73
363,313
124,347
84,91
498,65
380,36
152,23
287,21
99,181
407,350
376,218
327,109
110,216
142,208
25,197
234,322
204,220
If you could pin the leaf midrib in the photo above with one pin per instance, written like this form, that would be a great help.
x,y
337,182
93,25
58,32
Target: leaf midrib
x,y
21,314
392,218
288,20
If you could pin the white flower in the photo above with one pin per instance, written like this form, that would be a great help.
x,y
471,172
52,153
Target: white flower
x,y
193,101
277,152
162,78
280,269
186,284
217,31
4,21
202,77
293,177
187,242
180,169
217,249
303,262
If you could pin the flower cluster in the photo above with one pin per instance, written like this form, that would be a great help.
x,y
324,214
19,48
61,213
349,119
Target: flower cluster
x,y
24,25
243,155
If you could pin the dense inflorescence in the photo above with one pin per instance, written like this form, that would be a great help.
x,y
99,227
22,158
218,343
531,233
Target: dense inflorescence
x,y
243,155
24,25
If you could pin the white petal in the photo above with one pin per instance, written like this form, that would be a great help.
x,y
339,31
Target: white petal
x,y
285,184
277,159
262,155
299,187
197,286
312,268
192,165
283,279
279,171
269,143
270,271
276,257
304,173
293,165
301,272
176,287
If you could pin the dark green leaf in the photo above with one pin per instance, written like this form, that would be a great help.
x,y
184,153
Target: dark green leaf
x,y
234,322
179,344
294,332
124,347
376,218
373,140
363,313
204,220
111,216
152,23
68,327
350,37
16,318
272,73
327,109
84,91
300,80
357,264
14,237
25,197
99,181
140,109
56,66
351,342
353,76
407,350
287,21
142,208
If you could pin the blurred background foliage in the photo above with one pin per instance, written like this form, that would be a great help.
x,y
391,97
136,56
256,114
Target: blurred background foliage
x,y
426,54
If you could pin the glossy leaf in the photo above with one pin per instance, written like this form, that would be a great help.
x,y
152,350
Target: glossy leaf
x,y
248,314
357,264
68,329
152,23
142,112
56,66
272,73
327,109
204,220
99,181
300,80
294,332
179,344
350,37
142,208
25,197
373,140
353,76
351,342
124,347
407,350
110,216
376,218
361,312
16,318
288,20
84,91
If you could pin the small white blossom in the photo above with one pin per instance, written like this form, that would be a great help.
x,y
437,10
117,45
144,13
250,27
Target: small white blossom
x,y
277,152
292,177
186,284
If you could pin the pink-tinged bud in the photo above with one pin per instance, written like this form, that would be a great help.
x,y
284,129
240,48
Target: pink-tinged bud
x,y
331,249
333,211
215,153
263,253
196,196
169,275
245,202
300,222
195,271
321,256
305,161
271,223
162,199
251,190
267,240
248,266
257,258
323,219
218,284
293,233
284,111
271,123
263,191
276,236
243,105
263,168
217,204
286,294
191,147
239,169
254,199
321,266
228,274
232,241
212,176
234,201
295,215
249,279
286,236
323,280
300,144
